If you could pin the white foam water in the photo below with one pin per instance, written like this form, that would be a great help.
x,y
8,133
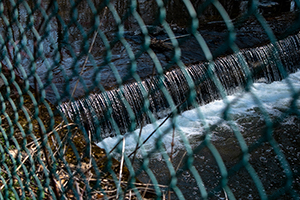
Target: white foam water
x,y
190,125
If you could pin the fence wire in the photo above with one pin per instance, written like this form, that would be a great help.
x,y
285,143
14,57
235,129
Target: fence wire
x,y
149,99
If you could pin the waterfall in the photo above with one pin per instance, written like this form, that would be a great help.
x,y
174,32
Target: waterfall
x,y
126,108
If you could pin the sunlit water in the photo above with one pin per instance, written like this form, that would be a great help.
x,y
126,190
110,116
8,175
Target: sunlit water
x,y
190,125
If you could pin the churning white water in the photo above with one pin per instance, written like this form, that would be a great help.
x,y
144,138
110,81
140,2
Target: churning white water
x,y
190,124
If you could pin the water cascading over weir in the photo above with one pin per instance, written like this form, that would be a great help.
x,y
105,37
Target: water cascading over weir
x,y
123,109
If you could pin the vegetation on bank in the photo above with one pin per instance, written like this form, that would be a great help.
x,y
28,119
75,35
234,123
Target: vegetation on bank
x,y
79,167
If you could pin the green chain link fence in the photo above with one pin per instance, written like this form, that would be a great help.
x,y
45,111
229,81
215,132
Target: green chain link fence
x,y
76,73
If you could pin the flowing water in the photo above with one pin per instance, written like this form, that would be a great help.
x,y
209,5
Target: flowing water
x,y
118,111
274,97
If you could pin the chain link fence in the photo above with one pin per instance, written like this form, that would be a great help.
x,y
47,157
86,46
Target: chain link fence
x,y
149,99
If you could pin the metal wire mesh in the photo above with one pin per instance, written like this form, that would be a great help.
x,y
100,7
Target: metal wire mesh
x,y
109,99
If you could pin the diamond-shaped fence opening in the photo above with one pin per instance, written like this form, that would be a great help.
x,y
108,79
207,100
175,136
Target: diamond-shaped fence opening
x,y
149,99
